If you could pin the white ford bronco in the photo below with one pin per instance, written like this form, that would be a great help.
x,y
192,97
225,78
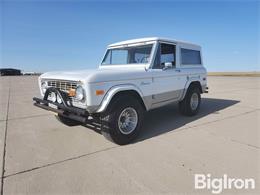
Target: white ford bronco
x,y
134,76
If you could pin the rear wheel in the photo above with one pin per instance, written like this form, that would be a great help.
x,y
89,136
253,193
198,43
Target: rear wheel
x,y
190,105
121,122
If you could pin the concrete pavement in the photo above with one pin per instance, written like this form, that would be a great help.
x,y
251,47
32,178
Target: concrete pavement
x,y
43,156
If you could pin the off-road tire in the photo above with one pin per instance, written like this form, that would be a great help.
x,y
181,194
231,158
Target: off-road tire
x,y
185,105
67,121
109,119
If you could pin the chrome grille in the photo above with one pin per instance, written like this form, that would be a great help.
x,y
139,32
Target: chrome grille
x,y
62,85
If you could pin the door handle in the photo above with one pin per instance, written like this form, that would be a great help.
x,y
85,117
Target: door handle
x,y
177,70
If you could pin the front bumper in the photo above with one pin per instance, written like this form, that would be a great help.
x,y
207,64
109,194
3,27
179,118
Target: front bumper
x,y
63,109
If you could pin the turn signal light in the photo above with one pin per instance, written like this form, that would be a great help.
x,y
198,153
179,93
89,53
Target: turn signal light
x,y
100,92
72,92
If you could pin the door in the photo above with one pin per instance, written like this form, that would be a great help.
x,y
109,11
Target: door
x,y
167,82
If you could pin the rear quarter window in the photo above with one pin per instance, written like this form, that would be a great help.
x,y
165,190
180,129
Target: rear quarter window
x,y
190,57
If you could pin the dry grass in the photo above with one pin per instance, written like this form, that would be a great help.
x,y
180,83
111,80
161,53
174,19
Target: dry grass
x,y
247,74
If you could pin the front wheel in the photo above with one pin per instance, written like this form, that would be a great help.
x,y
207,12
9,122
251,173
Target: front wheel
x,y
190,105
121,123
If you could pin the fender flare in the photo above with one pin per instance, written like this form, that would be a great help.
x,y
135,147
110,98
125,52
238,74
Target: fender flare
x,y
187,85
114,90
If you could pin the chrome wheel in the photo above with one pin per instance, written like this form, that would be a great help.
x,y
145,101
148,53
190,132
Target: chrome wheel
x,y
127,120
194,102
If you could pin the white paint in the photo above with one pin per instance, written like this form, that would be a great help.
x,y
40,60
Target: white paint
x,y
147,82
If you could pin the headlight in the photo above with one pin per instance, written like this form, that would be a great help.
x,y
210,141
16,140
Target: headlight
x,y
79,93
59,99
44,86
52,97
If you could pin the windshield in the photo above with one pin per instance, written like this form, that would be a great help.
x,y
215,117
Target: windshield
x,y
128,55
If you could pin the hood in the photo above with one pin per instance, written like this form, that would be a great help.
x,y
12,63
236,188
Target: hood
x,y
80,75
97,75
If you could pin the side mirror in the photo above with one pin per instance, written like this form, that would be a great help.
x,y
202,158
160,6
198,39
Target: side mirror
x,y
167,65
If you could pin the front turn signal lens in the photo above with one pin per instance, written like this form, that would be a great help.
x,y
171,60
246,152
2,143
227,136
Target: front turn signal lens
x,y
100,92
72,92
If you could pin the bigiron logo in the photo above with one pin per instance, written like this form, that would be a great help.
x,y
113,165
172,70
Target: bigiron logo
x,y
217,185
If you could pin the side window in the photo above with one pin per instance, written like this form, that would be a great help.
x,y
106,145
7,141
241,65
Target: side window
x,y
189,56
165,54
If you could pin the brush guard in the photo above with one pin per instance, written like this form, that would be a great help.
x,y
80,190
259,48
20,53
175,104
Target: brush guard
x,y
63,109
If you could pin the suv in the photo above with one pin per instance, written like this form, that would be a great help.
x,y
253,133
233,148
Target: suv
x,y
134,76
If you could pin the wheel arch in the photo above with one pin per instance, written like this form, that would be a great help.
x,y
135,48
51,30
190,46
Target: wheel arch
x,y
196,84
190,85
117,91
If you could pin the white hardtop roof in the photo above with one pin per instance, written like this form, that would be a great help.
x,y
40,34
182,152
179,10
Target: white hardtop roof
x,y
132,41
